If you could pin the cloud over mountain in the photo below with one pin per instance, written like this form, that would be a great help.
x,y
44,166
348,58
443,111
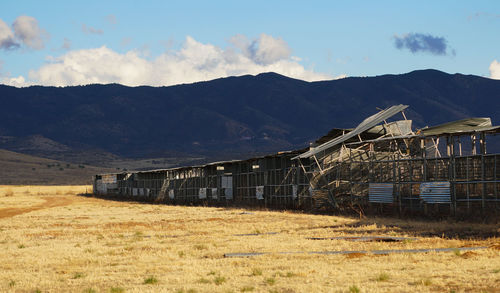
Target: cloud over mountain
x,y
495,69
194,62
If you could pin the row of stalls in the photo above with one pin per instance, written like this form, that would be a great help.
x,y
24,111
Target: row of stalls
x,y
382,163
273,180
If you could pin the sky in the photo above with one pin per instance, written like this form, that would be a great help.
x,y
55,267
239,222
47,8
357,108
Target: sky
x,y
162,43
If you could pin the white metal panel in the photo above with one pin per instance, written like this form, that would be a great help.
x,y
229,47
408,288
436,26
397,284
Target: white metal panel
x,y
381,192
202,194
259,192
435,192
214,193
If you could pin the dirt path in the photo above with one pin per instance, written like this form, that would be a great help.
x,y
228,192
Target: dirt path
x,y
50,202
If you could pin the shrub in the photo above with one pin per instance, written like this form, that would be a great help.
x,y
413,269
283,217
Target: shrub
x,y
219,280
151,280
382,277
78,275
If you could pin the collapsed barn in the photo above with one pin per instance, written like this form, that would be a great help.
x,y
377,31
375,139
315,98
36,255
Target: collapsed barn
x,y
381,165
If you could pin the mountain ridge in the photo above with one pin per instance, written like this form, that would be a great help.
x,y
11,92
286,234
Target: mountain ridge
x,y
232,117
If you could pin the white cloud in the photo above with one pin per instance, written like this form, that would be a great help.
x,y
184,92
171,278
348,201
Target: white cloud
x,y
14,81
194,62
264,50
91,30
27,30
495,69
7,40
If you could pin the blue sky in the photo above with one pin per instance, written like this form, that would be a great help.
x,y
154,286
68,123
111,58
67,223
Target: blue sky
x,y
170,42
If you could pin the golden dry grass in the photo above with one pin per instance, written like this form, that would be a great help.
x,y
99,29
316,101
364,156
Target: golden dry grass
x,y
59,242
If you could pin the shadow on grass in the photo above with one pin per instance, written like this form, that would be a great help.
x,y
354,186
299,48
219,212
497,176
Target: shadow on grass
x,y
416,226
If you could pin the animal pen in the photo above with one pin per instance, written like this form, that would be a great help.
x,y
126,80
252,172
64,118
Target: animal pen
x,y
380,166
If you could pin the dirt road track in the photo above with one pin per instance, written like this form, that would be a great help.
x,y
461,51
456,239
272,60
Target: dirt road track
x,y
50,202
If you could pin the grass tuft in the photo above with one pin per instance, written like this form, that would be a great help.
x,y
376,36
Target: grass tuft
x,y
151,280
354,289
203,281
89,290
186,291
382,277
270,281
219,280
256,272
9,192
116,290
200,247
21,246
78,275
247,289
12,283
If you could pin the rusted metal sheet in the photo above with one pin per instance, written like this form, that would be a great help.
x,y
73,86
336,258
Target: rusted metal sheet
x,y
435,192
381,192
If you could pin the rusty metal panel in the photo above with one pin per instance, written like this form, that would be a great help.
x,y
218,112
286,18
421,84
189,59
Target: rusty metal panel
x,y
109,178
381,192
435,192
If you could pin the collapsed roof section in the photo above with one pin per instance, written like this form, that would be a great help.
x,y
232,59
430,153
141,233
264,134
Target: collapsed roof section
x,y
370,131
369,123
463,126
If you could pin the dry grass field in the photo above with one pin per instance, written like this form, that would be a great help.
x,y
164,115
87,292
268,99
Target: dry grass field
x,y
53,240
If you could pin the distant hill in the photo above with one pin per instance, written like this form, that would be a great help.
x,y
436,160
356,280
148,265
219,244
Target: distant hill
x,y
20,169
224,118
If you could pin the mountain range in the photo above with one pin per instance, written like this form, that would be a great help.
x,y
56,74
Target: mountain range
x,y
226,118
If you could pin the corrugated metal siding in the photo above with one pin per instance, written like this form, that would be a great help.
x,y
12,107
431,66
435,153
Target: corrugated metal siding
x,y
381,192
435,192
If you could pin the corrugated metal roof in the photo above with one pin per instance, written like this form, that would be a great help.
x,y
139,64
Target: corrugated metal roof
x,y
363,126
464,125
451,128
